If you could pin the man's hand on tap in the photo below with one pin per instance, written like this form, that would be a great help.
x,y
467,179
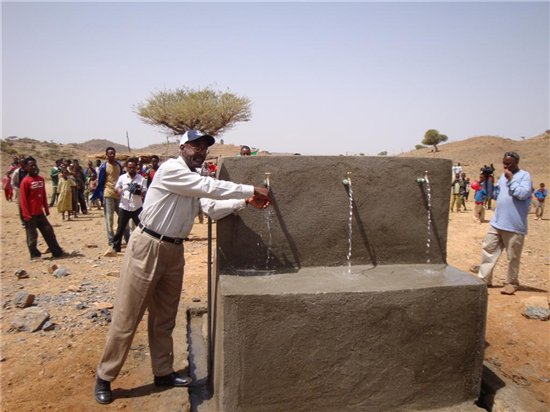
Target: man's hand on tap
x,y
261,198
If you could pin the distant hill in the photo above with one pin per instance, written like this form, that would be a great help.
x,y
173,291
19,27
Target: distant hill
x,y
172,149
99,145
472,153
478,151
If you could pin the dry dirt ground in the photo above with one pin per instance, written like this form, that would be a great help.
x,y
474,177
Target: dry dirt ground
x,y
54,370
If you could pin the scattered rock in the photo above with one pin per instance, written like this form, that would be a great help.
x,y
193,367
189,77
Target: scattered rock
x,y
52,268
91,246
73,288
92,315
535,307
195,299
48,326
30,319
113,274
104,305
61,272
22,274
509,289
80,306
23,299
110,253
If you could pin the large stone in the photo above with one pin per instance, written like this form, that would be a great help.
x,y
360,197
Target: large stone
x,y
30,319
536,307
23,299
22,274
61,272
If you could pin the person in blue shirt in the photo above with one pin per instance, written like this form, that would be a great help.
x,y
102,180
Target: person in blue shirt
x,y
540,196
480,196
508,226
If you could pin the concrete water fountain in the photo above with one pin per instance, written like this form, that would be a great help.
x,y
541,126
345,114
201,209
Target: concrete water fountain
x,y
392,334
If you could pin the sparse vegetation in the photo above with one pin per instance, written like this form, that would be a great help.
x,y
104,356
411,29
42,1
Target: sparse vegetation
x,y
384,153
7,147
420,146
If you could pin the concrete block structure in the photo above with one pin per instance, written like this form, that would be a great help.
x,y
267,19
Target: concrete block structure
x,y
294,329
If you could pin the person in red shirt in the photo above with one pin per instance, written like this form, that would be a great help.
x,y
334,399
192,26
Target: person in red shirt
x,y
34,202
151,172
6,185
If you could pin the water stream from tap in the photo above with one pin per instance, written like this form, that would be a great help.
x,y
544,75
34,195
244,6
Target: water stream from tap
x,y
428,243
268,213
268,216
350,221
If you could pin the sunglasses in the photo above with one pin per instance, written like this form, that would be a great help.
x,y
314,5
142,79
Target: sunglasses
x,y
512,154
197,149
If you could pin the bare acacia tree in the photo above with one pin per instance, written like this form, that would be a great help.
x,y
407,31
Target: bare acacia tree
x,y
208,110
433,137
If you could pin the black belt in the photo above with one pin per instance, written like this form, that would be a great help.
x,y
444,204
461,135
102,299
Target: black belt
x,y
177,241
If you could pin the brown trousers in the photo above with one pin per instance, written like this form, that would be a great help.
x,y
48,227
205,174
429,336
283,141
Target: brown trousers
x,y
151,277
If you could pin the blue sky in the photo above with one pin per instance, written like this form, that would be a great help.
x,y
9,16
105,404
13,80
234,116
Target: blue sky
x,y
324,78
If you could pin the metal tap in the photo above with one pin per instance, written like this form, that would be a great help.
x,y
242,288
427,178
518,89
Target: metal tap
x,y
422,180
347,179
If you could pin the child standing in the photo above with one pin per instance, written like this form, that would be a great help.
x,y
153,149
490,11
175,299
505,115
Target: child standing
x,y
7,187
75,190
480,196
65,202
92,186
540,197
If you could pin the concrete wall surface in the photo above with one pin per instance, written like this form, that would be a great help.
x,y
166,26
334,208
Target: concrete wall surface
x,y
391,338
310,212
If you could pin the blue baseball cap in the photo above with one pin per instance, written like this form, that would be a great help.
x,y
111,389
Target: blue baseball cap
x,y
192,135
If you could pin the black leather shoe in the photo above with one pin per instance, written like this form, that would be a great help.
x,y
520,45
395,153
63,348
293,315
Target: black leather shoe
x,y
174,379
102,391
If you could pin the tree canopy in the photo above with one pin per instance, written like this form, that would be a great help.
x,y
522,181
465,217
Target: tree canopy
x,y
433,137
208,110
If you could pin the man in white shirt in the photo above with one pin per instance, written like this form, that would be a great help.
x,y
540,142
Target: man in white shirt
x,y
131,188
151,275
457,169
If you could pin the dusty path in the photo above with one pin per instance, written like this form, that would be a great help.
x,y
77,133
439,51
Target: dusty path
x,y
54,370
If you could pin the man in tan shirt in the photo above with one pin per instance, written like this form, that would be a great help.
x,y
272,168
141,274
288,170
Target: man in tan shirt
x,y
109,173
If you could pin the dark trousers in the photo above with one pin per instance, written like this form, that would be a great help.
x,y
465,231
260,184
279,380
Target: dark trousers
x,y
55,195
41,223
82,201
124,217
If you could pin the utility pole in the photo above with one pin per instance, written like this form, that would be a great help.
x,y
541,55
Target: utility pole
x,y
128,140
